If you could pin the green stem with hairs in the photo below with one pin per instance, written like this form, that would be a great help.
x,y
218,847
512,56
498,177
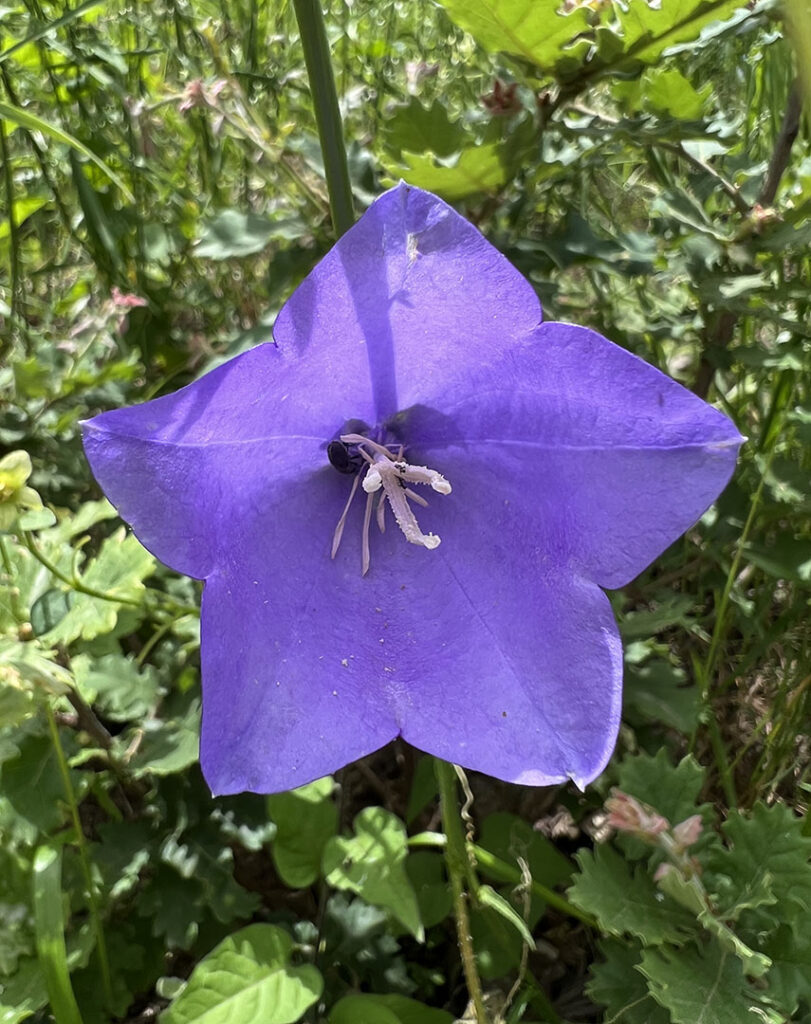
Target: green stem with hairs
x,y
458,868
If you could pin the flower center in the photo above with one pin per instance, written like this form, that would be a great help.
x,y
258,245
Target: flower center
x,y
385,478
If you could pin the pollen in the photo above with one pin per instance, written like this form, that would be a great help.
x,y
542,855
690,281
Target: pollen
x,y
385,480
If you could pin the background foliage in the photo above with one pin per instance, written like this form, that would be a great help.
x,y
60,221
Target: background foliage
x,y
647,166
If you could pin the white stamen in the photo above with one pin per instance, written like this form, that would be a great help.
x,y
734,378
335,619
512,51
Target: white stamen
x,y
366,557
381,513
339,529
413,496
391,473
423,475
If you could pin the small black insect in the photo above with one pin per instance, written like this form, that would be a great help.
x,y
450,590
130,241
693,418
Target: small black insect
x,y
343,457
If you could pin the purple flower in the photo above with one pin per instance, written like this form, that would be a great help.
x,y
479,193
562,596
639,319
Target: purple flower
x,y
412,364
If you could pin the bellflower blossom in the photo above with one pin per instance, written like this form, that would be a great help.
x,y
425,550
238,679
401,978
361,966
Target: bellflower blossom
x,y
411,365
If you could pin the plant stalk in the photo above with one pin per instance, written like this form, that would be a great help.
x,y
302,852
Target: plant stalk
x,y
327,114
457,865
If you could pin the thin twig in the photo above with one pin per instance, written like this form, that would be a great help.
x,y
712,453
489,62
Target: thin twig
x,y
782,147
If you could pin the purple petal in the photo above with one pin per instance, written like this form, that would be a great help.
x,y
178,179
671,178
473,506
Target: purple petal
x,y
408,295
622,458
474,652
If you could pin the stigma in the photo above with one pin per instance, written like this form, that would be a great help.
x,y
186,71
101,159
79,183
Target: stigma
x,y
385,478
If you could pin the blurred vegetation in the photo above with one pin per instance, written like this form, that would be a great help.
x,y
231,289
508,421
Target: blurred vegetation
x,y
648,167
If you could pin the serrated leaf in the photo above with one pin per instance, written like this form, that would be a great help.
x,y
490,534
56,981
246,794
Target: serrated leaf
x,y
648,31
536,30
86,516
385,1009
617,985
690,895
118,571
626,903
671,790
116,685
706,986
768,860
248,977
169,746
790,976
667,91
305,818
475,170
371,864
15,704
414,128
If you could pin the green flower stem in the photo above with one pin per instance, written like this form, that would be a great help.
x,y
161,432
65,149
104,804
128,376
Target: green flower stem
x,y
505,872
76,584
458,870
327,115
70,796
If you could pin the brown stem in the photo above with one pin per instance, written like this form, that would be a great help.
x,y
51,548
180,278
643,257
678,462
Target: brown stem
x,y
789,130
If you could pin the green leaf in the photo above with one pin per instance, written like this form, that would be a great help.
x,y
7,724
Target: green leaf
x,y
248,977
116,686
475,170
23,993
655,692
509,837
385,1009
417,129
672,791
24,118
690,894
625,903
117,571
169,746
305,819
790,978
667,91
16,704
768,861
371,864
426,872
706,986
648,31
234,233
536,30
491,900
32,784
617,985
788,558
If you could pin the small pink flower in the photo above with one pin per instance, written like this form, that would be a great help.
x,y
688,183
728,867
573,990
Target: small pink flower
x,y
126,300
688,831
196,94
627,814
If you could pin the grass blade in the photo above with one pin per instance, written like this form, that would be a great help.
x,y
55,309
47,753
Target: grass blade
x,y
17,115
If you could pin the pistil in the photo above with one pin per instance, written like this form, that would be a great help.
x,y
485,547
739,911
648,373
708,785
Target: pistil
x,y
387,475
